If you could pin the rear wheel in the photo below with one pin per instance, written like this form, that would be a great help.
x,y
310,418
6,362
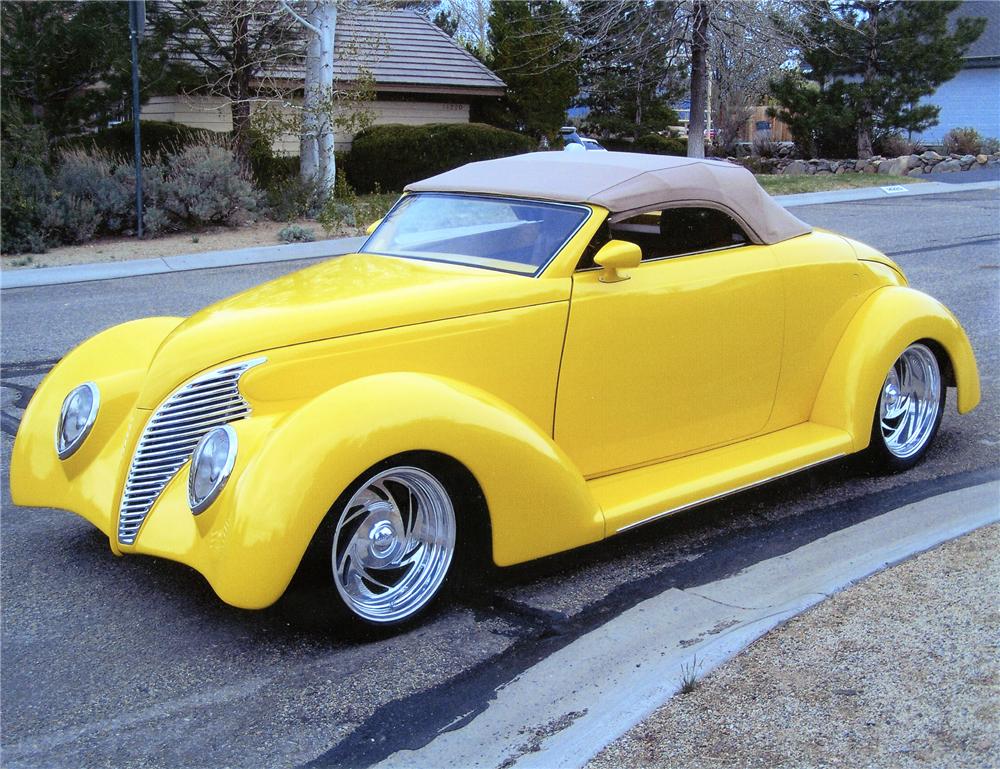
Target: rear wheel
x,y
909,409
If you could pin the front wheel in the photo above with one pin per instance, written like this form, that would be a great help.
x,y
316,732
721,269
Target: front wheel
x,y
909,409
391,542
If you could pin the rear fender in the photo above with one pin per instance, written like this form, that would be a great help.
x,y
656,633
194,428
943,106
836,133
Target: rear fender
x,y
890,320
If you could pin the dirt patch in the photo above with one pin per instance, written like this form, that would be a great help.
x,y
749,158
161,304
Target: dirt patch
x,y
120,249
900,670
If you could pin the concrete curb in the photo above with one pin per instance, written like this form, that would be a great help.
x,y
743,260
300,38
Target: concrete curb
x,y
81,273
880,193
565,709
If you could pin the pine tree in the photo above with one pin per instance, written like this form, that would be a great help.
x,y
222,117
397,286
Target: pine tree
x,y
533,55
629,73
870,64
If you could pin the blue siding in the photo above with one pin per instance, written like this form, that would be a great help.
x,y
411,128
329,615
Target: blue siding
x,y
971,98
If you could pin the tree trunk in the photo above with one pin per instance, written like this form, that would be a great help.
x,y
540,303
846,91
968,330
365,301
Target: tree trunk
x,y
326,23
311,99
866,109
699,72
240,85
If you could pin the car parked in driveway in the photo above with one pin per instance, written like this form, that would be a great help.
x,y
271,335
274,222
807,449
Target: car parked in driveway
x,y
525,356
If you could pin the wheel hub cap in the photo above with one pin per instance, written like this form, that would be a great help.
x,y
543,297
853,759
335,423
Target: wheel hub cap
x,y
393,544
910,402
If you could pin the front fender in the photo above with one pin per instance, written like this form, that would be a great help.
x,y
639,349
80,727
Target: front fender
x,y
294,468
86,483
890,320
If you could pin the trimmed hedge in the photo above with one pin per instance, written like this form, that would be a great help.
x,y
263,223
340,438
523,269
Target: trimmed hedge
x,y
388,157
158,139
654,144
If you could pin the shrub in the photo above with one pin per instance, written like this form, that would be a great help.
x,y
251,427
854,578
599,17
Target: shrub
x,y
990,146
963,141
205,185
296,233
896,145
347,212
107,184
392,156
654,144
25,194
158,139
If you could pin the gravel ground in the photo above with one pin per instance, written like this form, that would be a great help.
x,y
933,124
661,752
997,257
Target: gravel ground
x,y
900,670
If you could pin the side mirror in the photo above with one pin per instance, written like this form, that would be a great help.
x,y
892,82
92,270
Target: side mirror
x,y
371,227
617,255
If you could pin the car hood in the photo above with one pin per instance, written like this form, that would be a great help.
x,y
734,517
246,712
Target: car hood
x,y
351,294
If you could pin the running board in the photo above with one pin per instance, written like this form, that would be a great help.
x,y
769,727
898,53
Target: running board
x,y
635,497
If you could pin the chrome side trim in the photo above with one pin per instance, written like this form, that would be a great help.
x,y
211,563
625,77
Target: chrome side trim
x,y
723,494
171,434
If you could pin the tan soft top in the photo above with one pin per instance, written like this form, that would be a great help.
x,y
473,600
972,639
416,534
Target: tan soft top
x,y
626,183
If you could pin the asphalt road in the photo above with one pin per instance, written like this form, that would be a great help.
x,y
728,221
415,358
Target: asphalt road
x,y
133,662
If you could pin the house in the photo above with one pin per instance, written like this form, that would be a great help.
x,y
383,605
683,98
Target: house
x,y
972,97
419,74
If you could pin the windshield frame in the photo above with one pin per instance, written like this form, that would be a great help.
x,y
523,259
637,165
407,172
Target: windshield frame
x,y
588,211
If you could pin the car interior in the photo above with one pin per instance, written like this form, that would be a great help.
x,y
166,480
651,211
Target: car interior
x,y
671,232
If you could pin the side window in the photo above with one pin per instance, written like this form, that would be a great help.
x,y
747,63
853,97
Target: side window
x,y
675,231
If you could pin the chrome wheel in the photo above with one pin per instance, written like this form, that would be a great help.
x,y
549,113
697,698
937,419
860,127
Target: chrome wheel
x,y
910,402
393,544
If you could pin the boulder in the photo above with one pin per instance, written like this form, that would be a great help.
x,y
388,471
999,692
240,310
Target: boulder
x,y
947,166
896,166
967,161
981,159
931,157
915,172
913,161
796,168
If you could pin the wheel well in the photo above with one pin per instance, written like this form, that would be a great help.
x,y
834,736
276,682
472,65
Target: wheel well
x,y
944,361
475,532
473,518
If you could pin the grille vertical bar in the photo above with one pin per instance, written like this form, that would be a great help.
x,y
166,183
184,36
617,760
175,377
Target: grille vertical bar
x,y
170,436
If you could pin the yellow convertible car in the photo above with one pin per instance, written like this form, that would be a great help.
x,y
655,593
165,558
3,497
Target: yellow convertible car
x,y
527,355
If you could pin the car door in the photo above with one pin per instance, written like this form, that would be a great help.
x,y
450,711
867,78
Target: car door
x,y
682,356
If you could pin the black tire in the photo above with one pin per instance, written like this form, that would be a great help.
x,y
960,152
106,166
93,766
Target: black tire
x,y
919,406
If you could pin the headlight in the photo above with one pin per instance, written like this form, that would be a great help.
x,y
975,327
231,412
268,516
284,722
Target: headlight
x,y
79,411
211,464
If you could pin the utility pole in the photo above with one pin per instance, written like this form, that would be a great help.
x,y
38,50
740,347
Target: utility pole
x,y
136,27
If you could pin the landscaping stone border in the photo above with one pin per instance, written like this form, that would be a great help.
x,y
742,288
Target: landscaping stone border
x,y
929,162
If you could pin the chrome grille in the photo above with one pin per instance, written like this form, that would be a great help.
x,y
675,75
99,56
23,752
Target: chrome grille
x,y
170,435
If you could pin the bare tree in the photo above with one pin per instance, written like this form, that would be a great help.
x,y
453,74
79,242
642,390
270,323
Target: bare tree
x,y
239,48
750,44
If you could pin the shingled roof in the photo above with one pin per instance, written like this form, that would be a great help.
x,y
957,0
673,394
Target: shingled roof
x,y
986,50
402,50
409,54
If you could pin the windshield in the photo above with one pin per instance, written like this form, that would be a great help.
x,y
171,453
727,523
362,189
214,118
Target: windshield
x,y
505,234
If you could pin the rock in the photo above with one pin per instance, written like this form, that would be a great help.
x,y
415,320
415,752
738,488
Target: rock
x,y
967,161
913,161
841,169
931,157
796,168
947,166
896,166
822,165
824,172
981,159
915,172
870,168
